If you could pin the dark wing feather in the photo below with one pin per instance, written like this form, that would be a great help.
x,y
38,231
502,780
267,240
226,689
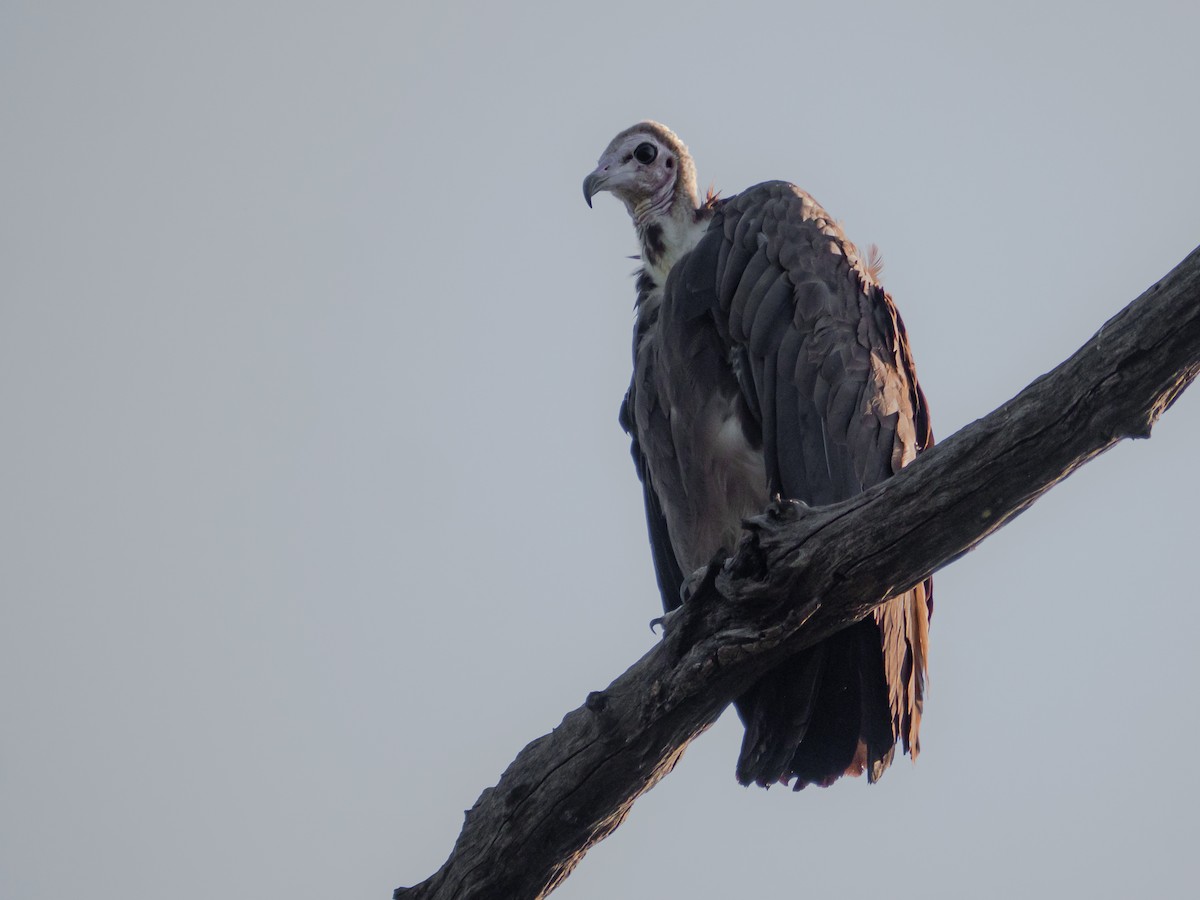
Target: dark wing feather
x,y
824,365
666,566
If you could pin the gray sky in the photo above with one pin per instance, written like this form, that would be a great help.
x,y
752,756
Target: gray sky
x,y
313,501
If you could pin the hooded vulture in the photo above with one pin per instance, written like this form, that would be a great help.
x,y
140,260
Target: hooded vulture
x,y
767,359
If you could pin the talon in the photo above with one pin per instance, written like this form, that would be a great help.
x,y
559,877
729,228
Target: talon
x,y
664,621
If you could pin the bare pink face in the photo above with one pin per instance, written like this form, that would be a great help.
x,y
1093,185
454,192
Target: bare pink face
x,y
638,167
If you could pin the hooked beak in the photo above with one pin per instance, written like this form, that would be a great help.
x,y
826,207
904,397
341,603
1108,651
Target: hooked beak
x,y
594,184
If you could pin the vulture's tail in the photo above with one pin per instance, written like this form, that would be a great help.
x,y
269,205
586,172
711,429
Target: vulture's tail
x,y
833,710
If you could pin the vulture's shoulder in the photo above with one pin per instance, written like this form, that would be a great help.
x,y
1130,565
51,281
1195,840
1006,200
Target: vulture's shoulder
x,y
793,231
774,238
818,346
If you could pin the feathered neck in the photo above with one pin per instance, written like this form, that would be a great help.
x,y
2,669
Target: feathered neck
x,y
668,227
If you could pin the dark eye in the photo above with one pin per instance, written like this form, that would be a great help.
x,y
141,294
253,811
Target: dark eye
x,y
645,153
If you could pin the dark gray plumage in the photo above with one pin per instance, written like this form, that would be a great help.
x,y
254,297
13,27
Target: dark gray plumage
x,y
768,359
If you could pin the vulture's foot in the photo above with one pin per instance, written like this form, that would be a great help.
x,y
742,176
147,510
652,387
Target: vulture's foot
x,y
692,586
664,621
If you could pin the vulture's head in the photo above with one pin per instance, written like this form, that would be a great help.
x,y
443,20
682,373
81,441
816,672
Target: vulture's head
x,y
648,169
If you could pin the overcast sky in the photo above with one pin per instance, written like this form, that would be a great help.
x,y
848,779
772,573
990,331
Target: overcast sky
x,y
314,508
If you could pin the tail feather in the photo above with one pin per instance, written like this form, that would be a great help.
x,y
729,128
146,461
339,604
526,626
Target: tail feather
x,y
840,707
777,712
833,739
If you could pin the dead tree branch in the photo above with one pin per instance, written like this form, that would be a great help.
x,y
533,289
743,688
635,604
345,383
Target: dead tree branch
x,y
569,789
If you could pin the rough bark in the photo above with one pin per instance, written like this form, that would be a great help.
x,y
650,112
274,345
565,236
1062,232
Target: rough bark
x,y
801,573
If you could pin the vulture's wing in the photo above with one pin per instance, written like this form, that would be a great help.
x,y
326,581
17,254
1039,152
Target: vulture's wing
x,y
818,347
822,359
666,566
